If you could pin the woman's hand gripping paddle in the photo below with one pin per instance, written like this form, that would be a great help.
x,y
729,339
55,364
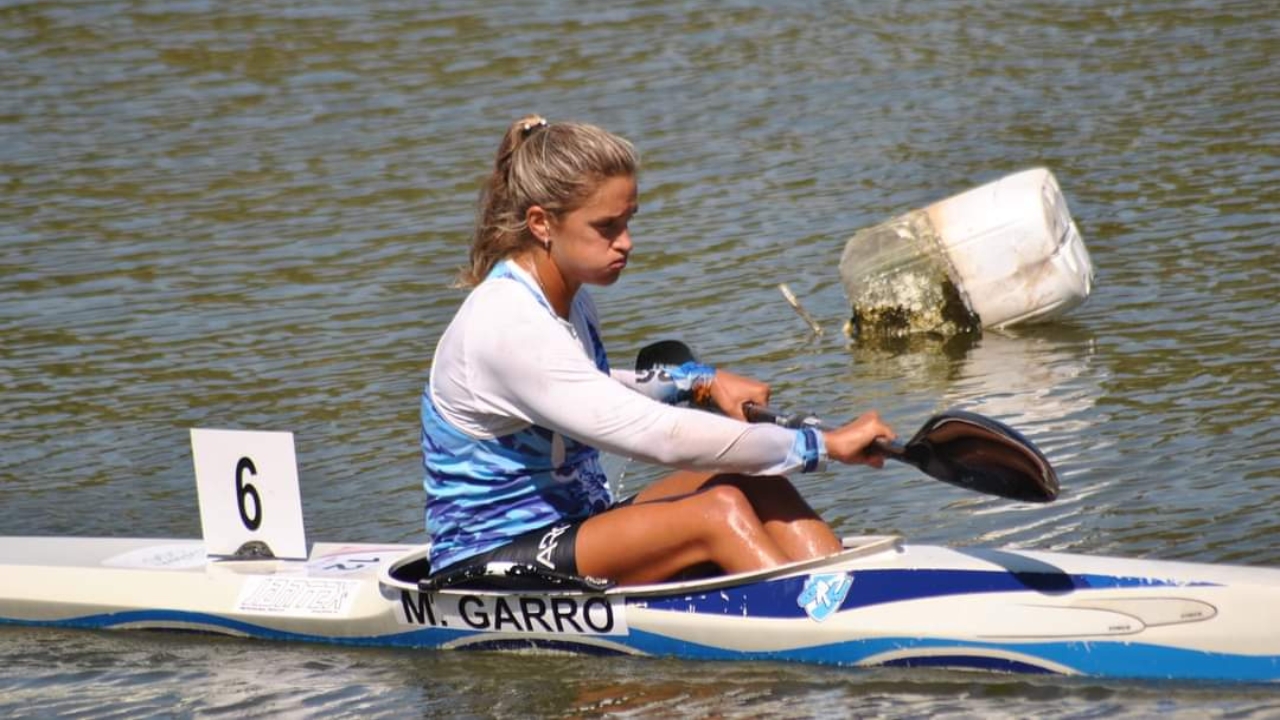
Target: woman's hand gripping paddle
x,y
962,448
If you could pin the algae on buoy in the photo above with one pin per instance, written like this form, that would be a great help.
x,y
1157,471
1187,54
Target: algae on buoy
x,y
903,284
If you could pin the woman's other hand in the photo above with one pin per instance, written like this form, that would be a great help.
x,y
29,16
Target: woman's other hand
x,y
729,392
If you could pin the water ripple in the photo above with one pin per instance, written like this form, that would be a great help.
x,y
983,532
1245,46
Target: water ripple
x,y
250,216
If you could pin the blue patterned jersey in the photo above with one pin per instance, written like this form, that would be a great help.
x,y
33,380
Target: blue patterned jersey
x,y
484,493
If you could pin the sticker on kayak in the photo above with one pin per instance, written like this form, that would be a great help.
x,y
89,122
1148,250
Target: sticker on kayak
x,y
555,614
822,594
177,556
298,597
346,562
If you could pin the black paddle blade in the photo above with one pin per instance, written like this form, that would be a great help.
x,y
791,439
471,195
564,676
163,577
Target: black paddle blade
x,y
978,453
663,352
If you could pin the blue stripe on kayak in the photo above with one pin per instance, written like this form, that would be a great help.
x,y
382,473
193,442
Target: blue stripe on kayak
x,y
768,599
1118,659
171,620
1094,658
563,646
961,661
777,598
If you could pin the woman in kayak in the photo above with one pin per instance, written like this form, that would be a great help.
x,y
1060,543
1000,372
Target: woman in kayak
x,y
521,399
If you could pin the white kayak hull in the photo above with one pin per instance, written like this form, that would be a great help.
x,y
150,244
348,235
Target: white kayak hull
x,y
879,603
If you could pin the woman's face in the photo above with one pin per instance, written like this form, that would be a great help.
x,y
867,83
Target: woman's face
x,y
591,244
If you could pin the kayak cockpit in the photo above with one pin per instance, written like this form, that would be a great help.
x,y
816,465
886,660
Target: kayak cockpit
x,y
412,571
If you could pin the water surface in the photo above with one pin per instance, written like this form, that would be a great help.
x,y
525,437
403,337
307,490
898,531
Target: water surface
x,y
249,215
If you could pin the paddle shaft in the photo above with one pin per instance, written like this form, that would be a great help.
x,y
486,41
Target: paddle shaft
x,y
762,414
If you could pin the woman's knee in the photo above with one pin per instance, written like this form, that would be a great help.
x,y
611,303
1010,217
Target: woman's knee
x,y
726,502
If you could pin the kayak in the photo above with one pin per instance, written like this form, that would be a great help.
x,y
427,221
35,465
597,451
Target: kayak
x,y
881,602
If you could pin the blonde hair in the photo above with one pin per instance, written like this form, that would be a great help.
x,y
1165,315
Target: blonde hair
x,y
554,166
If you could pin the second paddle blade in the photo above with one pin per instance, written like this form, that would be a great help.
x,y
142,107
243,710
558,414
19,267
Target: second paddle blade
x,y
984,455
663,352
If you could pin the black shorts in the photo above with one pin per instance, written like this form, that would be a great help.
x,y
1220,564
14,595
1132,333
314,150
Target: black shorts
x,y
550,548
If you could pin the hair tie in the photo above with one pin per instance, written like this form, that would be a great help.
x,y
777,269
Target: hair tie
x,y
527,128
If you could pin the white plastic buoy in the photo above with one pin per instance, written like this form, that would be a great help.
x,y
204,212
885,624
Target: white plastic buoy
x,y
1001,254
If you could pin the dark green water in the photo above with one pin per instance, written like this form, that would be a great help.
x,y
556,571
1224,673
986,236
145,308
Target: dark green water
x,y
248,215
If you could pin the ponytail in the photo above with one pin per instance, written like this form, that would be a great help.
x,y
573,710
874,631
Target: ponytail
x,y
554,166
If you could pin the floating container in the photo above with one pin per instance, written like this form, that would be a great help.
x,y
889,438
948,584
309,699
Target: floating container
x,y
1002,254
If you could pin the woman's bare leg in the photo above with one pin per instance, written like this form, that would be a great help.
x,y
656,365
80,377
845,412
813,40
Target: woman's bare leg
x,y
652,541
793,525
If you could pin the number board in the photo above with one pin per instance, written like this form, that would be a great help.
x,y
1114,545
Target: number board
x,y
247,483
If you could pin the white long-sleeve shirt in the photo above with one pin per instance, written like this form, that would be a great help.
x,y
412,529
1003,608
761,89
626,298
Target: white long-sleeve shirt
x,y
520,399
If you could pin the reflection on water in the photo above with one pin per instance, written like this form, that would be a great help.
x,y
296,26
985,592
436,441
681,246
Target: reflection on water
x,y
233,215
1044,378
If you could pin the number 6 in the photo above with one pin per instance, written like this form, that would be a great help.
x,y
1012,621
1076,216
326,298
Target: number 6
x,y
244,490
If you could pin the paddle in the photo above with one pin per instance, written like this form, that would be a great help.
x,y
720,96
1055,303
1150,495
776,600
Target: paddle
x,y
962,448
